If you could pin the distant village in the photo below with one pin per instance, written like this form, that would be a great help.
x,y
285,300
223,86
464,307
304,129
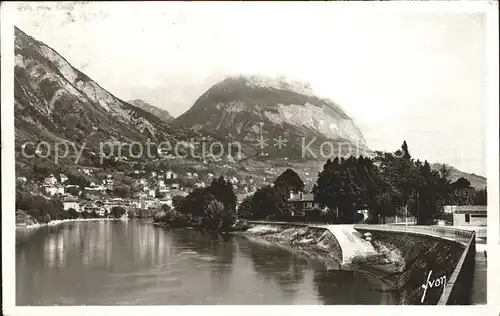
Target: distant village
x,y
156,189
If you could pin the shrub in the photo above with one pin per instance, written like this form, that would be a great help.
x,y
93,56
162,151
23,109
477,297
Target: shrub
x,y
117,211
170,217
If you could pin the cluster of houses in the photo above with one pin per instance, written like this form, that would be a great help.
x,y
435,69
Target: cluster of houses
x,y
100,207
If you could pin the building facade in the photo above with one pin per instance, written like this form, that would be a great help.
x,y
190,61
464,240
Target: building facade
x,y
469,215
302,202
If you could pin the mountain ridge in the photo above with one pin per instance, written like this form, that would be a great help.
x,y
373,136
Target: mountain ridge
x,y
163,114
477,181
56,101
246,111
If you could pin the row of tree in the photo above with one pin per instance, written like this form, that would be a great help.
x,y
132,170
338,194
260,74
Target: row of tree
x,y
391,183
387,185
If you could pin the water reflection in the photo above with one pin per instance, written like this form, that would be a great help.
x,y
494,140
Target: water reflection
x,y
123,263
352,287
277,264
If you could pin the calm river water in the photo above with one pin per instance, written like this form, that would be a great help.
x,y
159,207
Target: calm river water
x,y
137,263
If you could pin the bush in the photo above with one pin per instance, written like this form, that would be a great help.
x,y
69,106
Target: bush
x,y
217,218
73,214
170,217
358,217
117,211
176,201
85,215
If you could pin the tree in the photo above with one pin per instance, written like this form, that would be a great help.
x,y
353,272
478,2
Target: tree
x,y
117,211
399,174
461,193
406,153
176,201
72,213
428,195
244,211
216,218
290,181
264,204
195,203
170,216
122,191
347,184
481,197
78,180
223,191
461,183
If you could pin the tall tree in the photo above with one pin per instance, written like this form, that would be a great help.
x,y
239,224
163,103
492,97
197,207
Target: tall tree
x,y
481,197
264,204
428,195
404,148
290,180
348,185
223,191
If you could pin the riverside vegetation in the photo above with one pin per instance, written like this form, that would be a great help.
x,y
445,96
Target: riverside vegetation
x,y
387,185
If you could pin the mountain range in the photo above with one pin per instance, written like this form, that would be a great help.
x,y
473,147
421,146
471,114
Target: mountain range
x,y
248,108
56,102
162,114
477,181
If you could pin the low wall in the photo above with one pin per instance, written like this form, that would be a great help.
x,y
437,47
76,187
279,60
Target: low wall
x,y
316,241
448,253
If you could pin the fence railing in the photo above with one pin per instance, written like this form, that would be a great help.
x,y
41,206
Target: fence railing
x,y
459,283
399,220
460,235
457,291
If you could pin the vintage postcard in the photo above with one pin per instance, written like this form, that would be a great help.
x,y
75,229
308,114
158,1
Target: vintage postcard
x,y
165,157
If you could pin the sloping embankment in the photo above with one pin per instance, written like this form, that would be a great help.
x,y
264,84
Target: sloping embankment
x,y
428,260
343,245
354,248
408,260
318,241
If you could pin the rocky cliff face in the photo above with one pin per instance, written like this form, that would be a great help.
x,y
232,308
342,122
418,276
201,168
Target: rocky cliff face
x,y
244,107
164,115
56,101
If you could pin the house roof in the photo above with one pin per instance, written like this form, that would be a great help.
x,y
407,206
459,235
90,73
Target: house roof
x,y
462,209
71,201
306,197
241,196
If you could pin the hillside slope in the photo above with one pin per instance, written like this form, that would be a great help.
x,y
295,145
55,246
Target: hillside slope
x,y
247,108
477,181
55,102
164,115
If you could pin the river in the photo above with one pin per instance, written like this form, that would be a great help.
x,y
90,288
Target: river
x,y
137,263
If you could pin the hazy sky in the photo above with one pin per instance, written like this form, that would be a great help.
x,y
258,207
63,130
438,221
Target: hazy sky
x,y
414,76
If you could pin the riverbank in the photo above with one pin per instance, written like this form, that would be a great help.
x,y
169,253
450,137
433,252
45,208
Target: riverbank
x,y
320,244
60,221
318,240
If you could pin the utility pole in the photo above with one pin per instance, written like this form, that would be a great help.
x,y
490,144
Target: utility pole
x,y
406,214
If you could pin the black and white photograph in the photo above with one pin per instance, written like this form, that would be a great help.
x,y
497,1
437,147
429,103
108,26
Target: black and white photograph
x,y
210,153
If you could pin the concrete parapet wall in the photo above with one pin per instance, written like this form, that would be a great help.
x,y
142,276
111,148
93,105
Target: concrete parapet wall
x,y
449,253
